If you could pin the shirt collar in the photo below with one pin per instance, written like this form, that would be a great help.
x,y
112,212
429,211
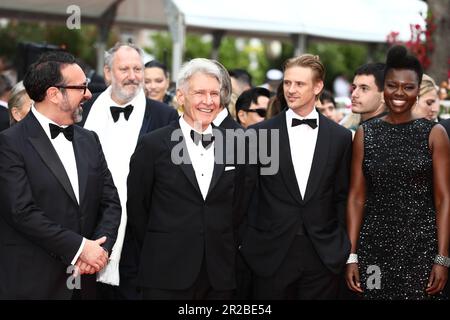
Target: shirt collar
x,y
186,128
312,115
290,114
220,117
43,120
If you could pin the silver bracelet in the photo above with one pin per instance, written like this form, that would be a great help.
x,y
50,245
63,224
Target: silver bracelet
x,y
442,260
352,258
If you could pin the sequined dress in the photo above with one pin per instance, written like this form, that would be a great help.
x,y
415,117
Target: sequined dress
x,y
398,238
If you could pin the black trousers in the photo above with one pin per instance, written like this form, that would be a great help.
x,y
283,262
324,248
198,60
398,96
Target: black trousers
x,y
301,276
244,279
126,291
200,290
128,269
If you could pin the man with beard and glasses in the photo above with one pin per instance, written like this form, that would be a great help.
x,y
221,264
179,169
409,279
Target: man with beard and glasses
x,y
186,195
60,209
120,116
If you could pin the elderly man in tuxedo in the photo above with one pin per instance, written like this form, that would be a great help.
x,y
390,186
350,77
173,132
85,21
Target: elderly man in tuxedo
x,y
184,201
60,208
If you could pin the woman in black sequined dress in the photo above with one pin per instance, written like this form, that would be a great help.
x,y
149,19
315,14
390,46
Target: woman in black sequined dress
x,y
399,201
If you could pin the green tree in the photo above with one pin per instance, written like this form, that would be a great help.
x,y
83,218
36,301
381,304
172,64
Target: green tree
x,y
161,48
231,57
15,32
339,58
80,43
197,47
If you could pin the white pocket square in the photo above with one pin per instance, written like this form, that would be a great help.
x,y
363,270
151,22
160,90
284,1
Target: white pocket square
x,y
229,168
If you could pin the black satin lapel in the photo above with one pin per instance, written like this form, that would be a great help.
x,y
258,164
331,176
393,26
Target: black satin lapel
x,y
146,121
219,159
81,152
186,165
45,149
217,173
319,159
286,166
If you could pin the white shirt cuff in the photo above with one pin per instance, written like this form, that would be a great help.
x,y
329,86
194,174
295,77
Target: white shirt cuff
x,y
79,252
110,274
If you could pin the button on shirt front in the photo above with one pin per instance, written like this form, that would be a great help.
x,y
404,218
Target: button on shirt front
x,y
302,142
202,159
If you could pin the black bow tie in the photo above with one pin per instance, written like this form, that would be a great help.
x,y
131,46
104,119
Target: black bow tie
x,y
310,122
56,130
206,139
115,112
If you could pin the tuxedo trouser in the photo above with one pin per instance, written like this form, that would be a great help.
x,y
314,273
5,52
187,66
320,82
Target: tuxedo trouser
x,y
88,289
200,290
244,279
301,276
76,295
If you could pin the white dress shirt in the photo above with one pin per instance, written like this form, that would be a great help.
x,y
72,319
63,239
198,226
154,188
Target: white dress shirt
x,y
220,117
302,142
202,159
64,149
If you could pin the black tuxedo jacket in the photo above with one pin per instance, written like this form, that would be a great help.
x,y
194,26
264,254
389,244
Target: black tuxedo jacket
x,y
230,123
157,114
175,227
281,211
4,118
41,222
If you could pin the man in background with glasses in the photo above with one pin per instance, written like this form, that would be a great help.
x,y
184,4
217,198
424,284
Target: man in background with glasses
x,y
251,106
60,209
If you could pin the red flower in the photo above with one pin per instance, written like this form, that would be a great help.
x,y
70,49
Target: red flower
x,y
420,42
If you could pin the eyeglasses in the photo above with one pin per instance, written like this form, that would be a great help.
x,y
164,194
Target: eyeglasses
x,y
260,111
79,87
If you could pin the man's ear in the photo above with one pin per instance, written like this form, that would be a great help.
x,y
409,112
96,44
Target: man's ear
x,y
107,74
180,96
16,114
242,116
318,86
52,94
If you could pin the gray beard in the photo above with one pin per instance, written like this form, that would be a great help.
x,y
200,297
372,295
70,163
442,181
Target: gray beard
x,y
127,97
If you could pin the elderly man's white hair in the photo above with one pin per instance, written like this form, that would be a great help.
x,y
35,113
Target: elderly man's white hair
x,y
225,91
197,65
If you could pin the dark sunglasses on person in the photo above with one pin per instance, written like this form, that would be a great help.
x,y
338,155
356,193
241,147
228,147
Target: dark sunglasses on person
x,y
260,111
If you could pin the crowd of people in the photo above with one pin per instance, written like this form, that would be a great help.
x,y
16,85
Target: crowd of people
x,y
218,189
